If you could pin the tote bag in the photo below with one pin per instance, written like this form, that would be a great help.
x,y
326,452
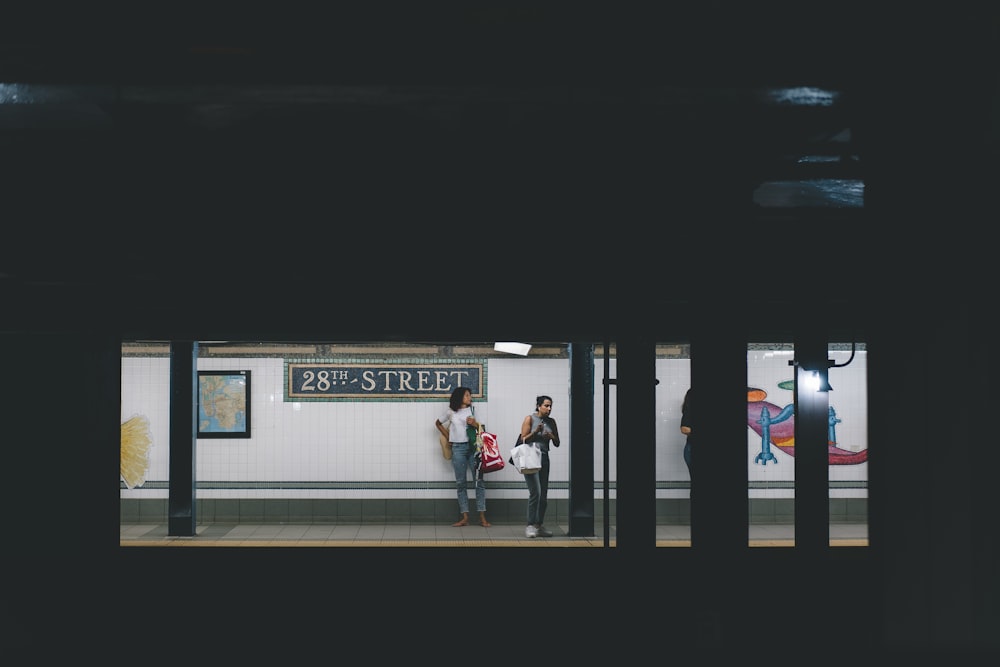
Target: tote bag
x,y
526,457
491,459
445,446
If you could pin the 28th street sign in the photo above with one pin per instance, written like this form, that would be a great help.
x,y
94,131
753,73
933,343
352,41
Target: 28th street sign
x,y
354,381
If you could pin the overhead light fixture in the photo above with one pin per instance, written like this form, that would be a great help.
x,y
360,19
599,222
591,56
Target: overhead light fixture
x,y
817,379
521,349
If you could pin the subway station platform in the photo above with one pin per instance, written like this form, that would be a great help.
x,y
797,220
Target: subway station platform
x,y
416,535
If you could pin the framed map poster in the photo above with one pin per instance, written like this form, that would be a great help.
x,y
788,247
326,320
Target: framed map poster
x,y
223,404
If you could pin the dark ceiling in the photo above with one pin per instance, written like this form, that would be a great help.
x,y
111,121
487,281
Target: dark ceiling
x,y
433,42
355,141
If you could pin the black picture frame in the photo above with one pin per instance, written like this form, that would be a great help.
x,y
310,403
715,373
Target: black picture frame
x,y
223,404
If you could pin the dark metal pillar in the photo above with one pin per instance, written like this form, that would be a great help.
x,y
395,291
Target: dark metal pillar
x,y
812,475
812,495
183,437
581,445
636,442
719,504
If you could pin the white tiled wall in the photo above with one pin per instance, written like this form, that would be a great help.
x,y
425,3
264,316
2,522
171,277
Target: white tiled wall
x,y
396,442
369,441
767,370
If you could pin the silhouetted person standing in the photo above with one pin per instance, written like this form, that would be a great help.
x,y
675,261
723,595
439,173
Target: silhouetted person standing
x,y
687,421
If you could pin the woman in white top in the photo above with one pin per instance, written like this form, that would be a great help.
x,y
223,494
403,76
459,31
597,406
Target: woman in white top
x,y
453,425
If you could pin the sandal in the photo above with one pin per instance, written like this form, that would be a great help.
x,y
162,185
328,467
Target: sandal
x,y
462,522
484,523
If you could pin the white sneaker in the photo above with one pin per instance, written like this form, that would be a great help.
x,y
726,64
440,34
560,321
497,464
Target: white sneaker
x,y
529,531
542,531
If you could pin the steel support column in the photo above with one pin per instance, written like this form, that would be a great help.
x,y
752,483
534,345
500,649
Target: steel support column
x,y
182,520
581,443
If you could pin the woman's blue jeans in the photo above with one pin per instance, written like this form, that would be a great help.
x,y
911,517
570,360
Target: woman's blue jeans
x,y
463,460
538,492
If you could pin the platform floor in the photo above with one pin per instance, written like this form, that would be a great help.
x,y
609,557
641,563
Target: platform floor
x,y
414,535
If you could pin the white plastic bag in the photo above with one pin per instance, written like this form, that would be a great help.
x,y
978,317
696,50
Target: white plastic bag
x,y
527,458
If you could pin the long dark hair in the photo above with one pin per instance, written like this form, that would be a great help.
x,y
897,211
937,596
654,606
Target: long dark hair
x,y
455,402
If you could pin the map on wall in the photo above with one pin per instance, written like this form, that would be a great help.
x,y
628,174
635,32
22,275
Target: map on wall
x,y
223,404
